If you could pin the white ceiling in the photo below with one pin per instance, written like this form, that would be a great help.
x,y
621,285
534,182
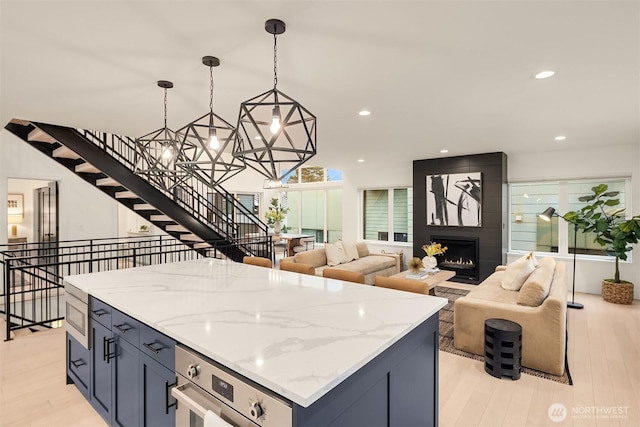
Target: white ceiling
x,y
435,74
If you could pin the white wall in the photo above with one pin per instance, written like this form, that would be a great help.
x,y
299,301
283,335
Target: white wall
x,y
85,212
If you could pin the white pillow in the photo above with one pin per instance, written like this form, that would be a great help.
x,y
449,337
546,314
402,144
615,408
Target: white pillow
x,y
517,272
350,251
335,253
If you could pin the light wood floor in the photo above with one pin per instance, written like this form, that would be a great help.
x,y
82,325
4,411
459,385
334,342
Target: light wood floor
x,y
604,357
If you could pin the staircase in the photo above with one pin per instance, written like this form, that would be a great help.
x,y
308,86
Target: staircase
x,y
108,162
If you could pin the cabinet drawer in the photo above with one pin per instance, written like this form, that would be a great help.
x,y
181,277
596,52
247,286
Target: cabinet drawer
x,y
78,366
126,327
157,345
101,312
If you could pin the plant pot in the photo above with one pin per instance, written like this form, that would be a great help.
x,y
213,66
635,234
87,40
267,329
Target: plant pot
x,y
618,293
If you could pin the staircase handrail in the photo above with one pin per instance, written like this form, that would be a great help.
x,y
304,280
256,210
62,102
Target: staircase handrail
x,y
108,142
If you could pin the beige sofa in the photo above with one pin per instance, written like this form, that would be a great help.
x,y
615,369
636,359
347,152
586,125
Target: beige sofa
x,y
371,265
543,326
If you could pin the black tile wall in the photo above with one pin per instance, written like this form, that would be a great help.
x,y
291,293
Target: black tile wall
x,y
492,235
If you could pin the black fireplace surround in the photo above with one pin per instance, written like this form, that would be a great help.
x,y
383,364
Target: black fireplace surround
x,y
491,235
461,256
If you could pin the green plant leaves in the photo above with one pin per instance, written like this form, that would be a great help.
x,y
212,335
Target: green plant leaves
x,y
613,233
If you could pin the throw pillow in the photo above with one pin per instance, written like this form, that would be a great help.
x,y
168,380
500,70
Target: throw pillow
x,y
335,253
536,288
363,250
350,251
513,279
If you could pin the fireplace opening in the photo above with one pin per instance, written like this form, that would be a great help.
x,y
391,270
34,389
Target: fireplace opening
x,y
461,256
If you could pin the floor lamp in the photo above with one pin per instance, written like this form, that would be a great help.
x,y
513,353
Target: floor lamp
x,y
546,216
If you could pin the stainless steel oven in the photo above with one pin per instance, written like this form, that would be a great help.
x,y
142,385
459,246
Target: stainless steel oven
x,y
77,314
207,394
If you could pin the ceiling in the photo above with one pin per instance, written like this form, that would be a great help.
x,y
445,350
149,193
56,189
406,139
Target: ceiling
x,y
434,74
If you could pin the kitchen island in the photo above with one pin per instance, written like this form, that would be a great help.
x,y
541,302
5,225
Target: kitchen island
x,y
318,343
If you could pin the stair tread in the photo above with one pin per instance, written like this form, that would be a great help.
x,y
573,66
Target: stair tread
x,y
86,168
126,195
160,218
65,153
144,207
38,135
191,238
177,227
108,182
202,245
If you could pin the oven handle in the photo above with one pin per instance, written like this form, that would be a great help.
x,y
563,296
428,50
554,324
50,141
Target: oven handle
x,y
182,399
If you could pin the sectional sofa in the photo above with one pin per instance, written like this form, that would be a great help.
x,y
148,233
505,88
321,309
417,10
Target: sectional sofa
x,y
371,265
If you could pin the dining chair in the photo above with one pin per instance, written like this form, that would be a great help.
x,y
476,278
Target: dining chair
x,y
305,242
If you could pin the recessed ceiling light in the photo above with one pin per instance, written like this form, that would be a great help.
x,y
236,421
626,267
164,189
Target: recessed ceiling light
x,y
560,138
444,150
364,113
360,160
544,74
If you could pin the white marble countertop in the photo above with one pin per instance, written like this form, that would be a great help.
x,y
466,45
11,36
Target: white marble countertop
x,y
297,335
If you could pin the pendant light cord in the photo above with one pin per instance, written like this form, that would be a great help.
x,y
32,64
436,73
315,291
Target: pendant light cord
x,y
165,108
211,89
275,61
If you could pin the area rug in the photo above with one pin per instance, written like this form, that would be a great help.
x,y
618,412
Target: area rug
x,y
446,335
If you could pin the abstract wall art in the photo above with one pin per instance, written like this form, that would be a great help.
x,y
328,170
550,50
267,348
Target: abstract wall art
x,y
454,199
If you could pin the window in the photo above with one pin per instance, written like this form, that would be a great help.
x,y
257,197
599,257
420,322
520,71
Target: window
x,y
530,233
311,174
315,206
315,212
388,214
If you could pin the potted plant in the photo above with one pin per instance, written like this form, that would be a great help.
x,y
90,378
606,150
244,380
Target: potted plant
x,y
612,231
275,215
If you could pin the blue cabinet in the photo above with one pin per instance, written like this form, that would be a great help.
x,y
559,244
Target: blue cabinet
x,y
128,371
156,380
78,365
126,408
101,355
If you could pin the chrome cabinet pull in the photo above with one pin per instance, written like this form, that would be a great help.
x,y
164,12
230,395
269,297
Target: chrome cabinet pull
x,y
150,347
100,312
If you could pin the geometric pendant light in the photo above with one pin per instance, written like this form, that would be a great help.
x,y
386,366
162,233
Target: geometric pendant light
x,y
158,151
206,144
275,133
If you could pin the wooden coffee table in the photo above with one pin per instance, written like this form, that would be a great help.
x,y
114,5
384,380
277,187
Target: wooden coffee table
x,y
432,279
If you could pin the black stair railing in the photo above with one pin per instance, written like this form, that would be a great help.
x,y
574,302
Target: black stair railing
x,y
192,194
32,274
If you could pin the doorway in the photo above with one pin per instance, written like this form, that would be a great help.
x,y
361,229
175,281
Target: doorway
x,y
32,211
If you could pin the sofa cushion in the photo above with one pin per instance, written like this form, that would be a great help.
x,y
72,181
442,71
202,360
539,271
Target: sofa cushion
x,y
536,288
315,257
363,249
368,264
350,251
335,253
491,290
517,272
